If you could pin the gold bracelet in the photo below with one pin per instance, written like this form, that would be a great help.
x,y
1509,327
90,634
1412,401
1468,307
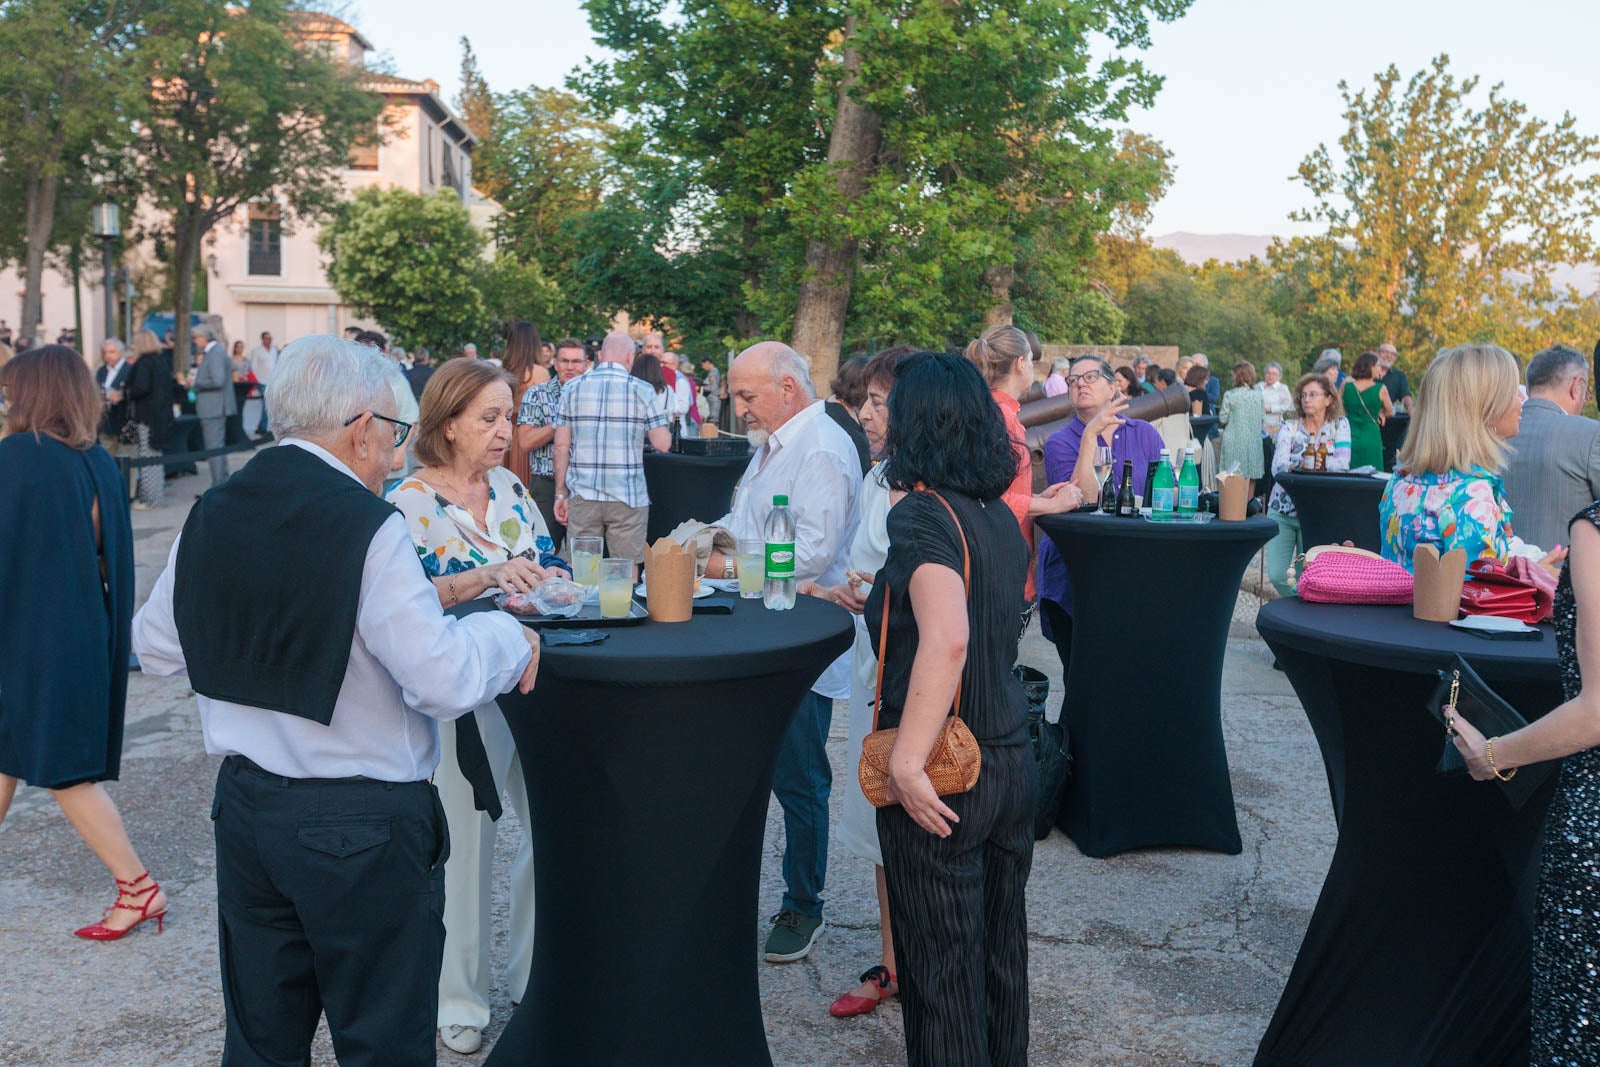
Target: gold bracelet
x,y
452,590
1488,750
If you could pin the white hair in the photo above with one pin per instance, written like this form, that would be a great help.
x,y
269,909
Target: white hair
x,y
787,363
122,349
1202,359
1059,364
405,401
320,381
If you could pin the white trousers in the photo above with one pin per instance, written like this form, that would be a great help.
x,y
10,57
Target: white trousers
x,y
469,877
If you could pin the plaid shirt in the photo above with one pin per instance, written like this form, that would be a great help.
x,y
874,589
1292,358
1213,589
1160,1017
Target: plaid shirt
x,y
539,406
609,411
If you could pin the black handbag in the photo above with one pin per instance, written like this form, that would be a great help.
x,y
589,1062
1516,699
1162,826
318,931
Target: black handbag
x,y
1460,686
1048,740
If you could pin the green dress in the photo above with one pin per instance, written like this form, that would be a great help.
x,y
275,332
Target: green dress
x,y
1366,438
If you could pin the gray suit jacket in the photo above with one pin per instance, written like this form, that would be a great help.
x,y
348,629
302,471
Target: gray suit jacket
x,y
1554,472
213,384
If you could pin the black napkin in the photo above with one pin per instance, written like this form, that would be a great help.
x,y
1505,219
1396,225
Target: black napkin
x,y
1484,709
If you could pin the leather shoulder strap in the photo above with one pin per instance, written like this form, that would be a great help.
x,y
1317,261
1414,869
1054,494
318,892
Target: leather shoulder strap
x,y
883,624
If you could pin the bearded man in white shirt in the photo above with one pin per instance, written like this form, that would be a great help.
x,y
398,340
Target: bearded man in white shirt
x,y
801,453
324,699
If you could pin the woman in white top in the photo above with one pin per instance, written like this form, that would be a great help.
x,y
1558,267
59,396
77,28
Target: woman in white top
x,y
858,826
1277,401
476,531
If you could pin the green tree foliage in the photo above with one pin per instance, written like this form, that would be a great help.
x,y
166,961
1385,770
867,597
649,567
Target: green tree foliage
x,y
66,92
413,263
1447,215
475,101
234,111
514,291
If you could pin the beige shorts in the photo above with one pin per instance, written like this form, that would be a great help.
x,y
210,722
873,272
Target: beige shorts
x,y
622,527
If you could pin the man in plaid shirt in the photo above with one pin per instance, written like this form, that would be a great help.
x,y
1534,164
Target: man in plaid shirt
x,y
601,426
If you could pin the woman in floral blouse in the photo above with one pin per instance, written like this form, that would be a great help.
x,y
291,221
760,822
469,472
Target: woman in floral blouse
x,y
1319,419
1446,488
476,530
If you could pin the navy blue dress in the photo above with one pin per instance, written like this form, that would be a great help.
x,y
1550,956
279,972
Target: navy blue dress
x,y
64,631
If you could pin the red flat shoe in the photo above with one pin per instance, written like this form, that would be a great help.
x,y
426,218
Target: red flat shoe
x,y
849,1004
141,904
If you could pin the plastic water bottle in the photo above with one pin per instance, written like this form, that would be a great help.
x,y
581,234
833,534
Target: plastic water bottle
x,y
1163,491
1188,484
778,591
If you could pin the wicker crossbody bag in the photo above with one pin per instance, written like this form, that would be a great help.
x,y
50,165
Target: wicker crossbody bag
x,y
955,761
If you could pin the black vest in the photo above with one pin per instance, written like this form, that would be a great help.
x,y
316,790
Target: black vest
x,y
268,582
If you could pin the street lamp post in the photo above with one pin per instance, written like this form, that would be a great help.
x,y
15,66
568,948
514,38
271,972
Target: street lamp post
x,y
108,227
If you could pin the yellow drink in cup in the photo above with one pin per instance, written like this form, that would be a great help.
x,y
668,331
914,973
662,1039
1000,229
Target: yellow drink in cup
x,y
586,555
616,588
751,561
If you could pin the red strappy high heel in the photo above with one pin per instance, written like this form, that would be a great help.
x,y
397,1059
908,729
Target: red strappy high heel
x,y
141,904
849,1004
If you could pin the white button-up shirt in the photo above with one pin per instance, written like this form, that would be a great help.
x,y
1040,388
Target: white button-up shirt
x,y
814,463
410,664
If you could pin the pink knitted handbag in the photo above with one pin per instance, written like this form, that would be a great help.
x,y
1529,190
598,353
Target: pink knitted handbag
x,y
1335,574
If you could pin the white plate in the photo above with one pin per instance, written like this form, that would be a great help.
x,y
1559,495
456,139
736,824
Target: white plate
x,y
704,591
724,585
1492,624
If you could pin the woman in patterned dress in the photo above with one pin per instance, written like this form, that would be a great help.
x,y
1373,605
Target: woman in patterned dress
x,y
1566,937
477,531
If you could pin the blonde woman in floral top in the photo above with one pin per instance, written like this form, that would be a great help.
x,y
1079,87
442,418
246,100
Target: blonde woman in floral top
x,y
1319,418
1446,489
476,531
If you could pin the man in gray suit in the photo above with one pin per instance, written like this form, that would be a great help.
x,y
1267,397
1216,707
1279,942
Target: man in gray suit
x,y
213,397
1555,470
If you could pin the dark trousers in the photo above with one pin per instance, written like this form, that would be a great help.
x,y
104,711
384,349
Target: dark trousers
x,y
1060,623
960,919
330,898
214,432
542,488
801,781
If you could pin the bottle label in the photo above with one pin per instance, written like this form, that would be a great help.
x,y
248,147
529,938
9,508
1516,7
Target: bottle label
x,y
1164,499
1189,497
780,560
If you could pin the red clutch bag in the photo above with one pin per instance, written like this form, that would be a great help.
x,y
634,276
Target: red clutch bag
x,y
1335,574
1492,589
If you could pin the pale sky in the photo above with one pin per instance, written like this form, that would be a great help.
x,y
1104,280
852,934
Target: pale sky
x,y
1251,84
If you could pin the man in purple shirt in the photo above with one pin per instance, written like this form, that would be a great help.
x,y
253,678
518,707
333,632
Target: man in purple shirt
x,y
1069,456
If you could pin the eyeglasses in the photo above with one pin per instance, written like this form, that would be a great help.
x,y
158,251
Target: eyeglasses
x,y
1089,377
402,430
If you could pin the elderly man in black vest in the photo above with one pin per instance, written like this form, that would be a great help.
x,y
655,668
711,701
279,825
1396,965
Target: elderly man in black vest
x,y
323,698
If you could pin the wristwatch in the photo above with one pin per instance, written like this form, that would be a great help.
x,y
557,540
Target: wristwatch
x,y
727,567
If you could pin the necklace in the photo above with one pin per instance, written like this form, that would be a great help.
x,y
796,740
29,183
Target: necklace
x,y
462,499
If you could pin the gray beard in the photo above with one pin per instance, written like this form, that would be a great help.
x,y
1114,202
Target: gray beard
x,y
758,437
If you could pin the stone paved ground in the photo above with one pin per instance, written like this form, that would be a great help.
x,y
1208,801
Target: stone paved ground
x,y
1159,957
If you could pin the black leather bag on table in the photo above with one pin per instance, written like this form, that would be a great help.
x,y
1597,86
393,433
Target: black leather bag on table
x,y
1492,716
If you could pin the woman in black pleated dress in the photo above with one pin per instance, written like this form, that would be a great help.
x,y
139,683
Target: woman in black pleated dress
x,y
957,865
1566,937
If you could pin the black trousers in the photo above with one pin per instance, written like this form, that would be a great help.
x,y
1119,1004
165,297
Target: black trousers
x,y
542,489
960,919
330,894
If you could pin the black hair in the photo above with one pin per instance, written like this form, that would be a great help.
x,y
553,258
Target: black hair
x,y
945,430
372,339
1168,376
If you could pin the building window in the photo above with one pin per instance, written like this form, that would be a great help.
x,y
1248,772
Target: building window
x,y
364,151
266,239
450,169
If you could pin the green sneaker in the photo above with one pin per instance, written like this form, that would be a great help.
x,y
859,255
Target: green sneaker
x,y
792,936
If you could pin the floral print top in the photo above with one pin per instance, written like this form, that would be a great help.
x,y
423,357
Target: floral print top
x,y
1465,509
1289,451
449,540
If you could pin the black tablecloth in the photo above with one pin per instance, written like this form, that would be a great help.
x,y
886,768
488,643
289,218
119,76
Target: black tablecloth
x,y
1394,435
1203,426
648,773
1334,508
1149,763
689,487
1418,951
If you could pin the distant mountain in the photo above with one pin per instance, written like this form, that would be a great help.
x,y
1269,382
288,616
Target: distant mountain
x,y
1196,248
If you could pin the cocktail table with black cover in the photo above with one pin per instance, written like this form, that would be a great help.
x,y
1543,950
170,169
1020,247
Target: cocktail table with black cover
x,y
1419,948
1149,765
648,774
1335,507
689,487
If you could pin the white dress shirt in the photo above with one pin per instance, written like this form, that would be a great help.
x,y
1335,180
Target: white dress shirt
x,y
262,361
410,664
814,463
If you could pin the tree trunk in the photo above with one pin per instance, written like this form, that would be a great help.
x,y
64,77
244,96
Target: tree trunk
x,y
40,220
187,235
830,265
998,279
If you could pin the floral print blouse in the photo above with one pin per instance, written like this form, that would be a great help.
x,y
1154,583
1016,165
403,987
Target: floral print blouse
x,y
449,540
1289,450
1465,509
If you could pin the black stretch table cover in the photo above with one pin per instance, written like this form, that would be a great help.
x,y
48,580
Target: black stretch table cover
x,y
1418,951
648,774
689,487
1394,435
1201,426
1335,508
1149,765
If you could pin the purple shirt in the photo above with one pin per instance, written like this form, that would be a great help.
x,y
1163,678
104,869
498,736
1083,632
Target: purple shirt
x,y
1135,440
